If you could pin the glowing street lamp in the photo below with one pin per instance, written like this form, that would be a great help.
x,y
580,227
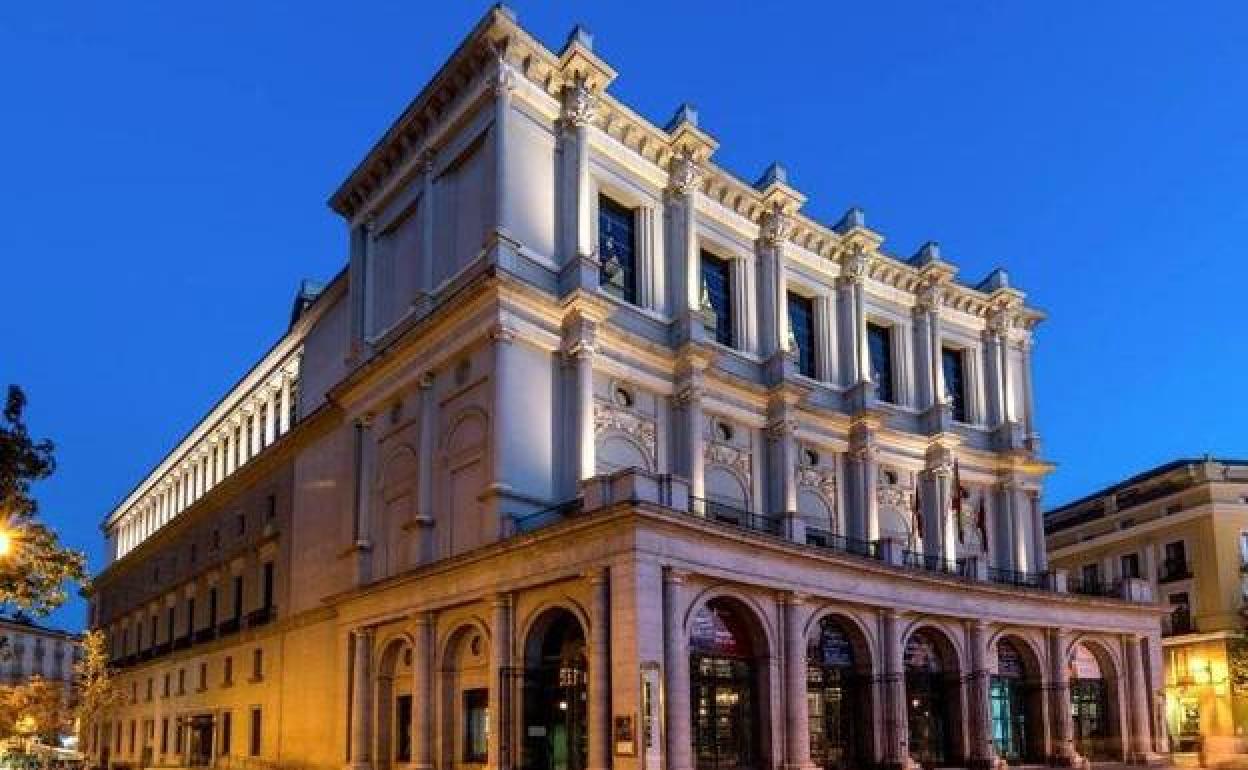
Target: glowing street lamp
x,y
6,542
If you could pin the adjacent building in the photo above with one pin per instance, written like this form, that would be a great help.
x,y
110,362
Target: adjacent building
x,y
1183,528
28,650
597,456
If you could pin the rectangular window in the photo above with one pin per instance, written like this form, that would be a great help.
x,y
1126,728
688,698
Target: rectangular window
x,y
403,716
880,354
1091,574
253,747
240,524
181,681
257,664
190,616
238,597
177,738
270,511
802,326
268,585
476,725
227,720
952,365
173,616
165,690
716,298
148,695
617,249
164,735
227,672
133,730
203,676
1130,565
212,607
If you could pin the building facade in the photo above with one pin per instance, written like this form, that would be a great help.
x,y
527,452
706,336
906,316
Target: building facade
x,y
1183,527
596,456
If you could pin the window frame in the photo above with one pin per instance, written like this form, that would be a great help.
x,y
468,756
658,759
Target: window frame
x,y
725,332
807,360
629,291
886,331
959,402
475,713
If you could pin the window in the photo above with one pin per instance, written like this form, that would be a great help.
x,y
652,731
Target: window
x,y
212,606
880,353
216,539
238,597
1090,574
257,664
270,511
190,616
617,247
476,725
253,747
240,524
133,730
802,332
181,681
165,690
717,298
227,720
403,717
1130,565
164,735
177,739
227,672
952,364
268,585
203,676
173,616
1174,566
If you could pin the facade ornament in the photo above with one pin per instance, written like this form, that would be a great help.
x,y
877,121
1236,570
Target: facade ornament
x,y
641,430
854,264
775,227
781,428
685,174
728,456
503,78
580,104
686,394
706,309
931,297
894,496
818,478
612,268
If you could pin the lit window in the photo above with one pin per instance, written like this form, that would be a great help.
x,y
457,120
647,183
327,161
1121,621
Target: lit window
x,y
716,299
952,364
617,249
880,352
802,327
476,725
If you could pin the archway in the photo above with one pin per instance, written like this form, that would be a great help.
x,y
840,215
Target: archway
x,y
394,704
933,698
726,654
1092,684
556,719
838,686
1016,703
465,696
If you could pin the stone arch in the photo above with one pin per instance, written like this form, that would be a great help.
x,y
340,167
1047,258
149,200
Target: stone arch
x,y
727,486
765,634
464,459
844,700
463,678
1111,743
933,666
1017,709
617,450
397,500
391,729
529,623
816,507
554,702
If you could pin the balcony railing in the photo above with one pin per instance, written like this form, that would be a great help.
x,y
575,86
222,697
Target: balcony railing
x,y
822,538
1093,587
1174,569
736,517
933,562
231,626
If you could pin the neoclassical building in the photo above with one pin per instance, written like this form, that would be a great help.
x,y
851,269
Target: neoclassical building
x,y
1183,527
597,456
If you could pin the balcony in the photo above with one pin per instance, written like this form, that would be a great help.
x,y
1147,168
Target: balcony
x,y
262,616
205,634
736,517
231,626
1094,587
822,538
1174,569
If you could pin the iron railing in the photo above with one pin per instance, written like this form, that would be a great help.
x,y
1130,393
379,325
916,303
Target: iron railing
x,y
731,515
822,538
1093,587
1017,578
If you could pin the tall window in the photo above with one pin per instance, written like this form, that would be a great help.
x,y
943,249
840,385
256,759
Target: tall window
x,y
190,616
1090,574
227,725
1130,565
716,297
617,249
268,585
403,720
952,362
238,597
257,664
476,717
802,325
212,607
254,747
880,351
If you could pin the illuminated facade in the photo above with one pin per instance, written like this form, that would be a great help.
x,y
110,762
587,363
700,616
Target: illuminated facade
x,y
1183,527
601,457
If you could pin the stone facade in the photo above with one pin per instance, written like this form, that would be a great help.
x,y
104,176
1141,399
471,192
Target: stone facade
x,y
596,456
1182,527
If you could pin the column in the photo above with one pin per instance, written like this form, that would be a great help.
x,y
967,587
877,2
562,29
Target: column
x,y
504,82
1029,409
361,530
579,110
781,433
862,469
244,436
599,670
676,665
500,684
896,725
504,339
270,415
1059,700
983,752
583,360
848,325
826,369
361,700
683,189
1139,700
428,456
422,692
1036,519
797,710
284,402
773,300
924,396
689,399
427,224
645,257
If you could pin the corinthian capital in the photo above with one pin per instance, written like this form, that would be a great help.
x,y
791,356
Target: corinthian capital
x,y
775,228
854,263
580,104
931,297
685,174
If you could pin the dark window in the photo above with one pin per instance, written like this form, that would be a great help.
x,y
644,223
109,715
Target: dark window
x,y
173,616
148,694
1130,565
194,552
238,597
181,681
240,524
177,739
212,606
880,351
268,585
165,689
254,747
403,715
717,297
617,249
802,325
955,382
190,616
155,621
133,730
227,672
257,664
476,716
216,539
1091,574
270,512
203,676
227,720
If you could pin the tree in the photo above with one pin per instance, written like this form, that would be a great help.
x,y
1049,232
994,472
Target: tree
x,y
34,566
97,692
36,708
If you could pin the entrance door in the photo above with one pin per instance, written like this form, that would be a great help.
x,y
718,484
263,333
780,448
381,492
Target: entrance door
x,y
199,745
1008,704
556,699
929,698
839,705
723,677
1089,708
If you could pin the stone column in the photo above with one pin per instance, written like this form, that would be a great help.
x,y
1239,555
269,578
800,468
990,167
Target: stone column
x,y
361,701
361,529
500,684
862,466
782,434
773,294
983,752
284,404
797,710
270,416
1035,518
1029,409
599,670
423,535
422,692
689,399
993,382
503,430
847,330
826,369
676,663
1065,754
503,84
583,360
896,724
580,108
684,180
1140,703
427,225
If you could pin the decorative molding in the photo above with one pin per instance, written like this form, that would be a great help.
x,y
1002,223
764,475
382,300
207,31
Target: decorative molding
x,y
609,418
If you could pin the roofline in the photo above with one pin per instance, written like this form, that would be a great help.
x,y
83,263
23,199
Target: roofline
x,y
1159,470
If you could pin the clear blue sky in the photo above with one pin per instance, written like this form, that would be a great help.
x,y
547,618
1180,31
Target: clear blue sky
x,y
166,166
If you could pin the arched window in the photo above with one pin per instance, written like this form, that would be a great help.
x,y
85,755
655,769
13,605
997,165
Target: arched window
x,y
724,689
839,697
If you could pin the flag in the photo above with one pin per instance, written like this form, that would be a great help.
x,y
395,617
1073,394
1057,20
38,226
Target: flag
x,y
981,521
957,500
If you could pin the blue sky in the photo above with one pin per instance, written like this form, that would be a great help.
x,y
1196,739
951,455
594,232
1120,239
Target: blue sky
x,y
166,167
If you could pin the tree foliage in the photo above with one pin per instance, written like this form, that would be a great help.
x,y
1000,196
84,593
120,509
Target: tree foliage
x,y
37,567
35,708
97,691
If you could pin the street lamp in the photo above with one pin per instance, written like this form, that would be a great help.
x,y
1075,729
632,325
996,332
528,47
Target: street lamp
x,y
6,542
